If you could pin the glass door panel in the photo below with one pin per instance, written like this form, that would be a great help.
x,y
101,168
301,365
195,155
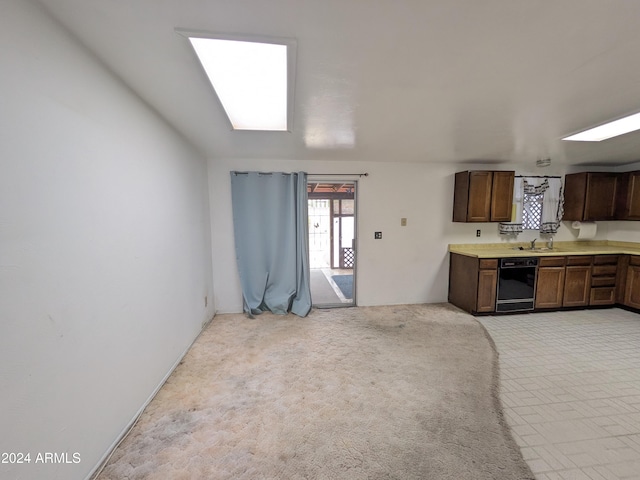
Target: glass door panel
x,y
332,233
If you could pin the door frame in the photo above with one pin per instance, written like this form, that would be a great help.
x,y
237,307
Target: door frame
x,y
336,180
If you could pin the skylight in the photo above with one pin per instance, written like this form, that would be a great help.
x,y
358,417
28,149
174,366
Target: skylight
x,y
250,79
608,130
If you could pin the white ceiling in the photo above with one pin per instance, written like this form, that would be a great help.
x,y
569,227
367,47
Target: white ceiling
x,y
392,80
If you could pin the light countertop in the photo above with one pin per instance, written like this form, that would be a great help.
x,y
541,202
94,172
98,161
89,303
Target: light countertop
x,y
503,250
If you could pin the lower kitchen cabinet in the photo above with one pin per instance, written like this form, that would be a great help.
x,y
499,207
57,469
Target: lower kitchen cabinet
x,y
577,282
603,296
563,286
487,282
577,287
550,287
561,282
550,282
473,283
632,290
603,280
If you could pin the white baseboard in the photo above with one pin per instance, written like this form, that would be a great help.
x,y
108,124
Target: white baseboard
x,y
105,458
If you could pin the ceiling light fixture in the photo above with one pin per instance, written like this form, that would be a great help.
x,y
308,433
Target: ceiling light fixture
x,y
252,76
608,130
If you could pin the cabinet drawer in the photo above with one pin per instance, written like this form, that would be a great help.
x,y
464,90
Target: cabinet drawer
x,y
605,260
581,260
634,260
552,261
604,270
488,263
603,296
603,281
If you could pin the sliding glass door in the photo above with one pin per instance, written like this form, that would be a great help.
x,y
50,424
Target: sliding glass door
x,y
332,242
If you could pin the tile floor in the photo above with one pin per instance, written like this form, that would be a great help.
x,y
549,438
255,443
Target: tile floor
x,y
570,387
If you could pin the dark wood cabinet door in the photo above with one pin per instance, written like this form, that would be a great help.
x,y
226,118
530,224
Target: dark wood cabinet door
x,y
632,291
473,283
550,287
487,286
602,296
575,188
460,196
483,196
479,206
600,200
633,196
591,196
628,201
463,281
577,286
502,196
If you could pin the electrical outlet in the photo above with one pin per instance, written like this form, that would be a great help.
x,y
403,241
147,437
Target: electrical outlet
x,y
478,233
403,222
377,235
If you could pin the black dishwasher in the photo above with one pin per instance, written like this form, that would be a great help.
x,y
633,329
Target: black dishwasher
x,y
516,284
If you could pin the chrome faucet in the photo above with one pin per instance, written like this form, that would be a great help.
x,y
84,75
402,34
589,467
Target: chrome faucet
x,y
533,244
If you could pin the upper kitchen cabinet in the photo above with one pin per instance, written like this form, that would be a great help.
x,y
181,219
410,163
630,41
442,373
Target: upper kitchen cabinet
x,y
590,196
628,199
483,196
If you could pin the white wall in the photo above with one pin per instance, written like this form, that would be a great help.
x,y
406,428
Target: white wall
x,y
409,264
105,255
624,231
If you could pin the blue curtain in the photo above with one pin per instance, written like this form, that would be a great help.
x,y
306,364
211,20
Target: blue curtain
x,y
270,230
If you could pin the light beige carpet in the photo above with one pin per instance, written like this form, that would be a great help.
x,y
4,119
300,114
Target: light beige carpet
x,y
398,392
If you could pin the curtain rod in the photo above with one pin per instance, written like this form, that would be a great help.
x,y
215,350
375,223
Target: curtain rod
x,y
538,176
339,174
314,174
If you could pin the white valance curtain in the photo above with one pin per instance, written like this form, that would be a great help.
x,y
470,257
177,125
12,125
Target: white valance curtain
x,y
552,204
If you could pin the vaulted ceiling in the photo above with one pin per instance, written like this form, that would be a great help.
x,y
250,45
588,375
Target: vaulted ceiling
x,y
391,80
